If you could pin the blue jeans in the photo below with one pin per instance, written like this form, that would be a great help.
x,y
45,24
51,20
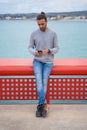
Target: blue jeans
x,y
42,72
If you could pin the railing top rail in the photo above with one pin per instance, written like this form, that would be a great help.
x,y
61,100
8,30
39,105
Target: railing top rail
x,y
62,66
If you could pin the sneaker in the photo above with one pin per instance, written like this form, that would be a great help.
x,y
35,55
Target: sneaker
x,y
39,111
44,110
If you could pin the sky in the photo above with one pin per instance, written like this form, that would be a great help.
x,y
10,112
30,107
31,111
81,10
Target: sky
x,y
36,6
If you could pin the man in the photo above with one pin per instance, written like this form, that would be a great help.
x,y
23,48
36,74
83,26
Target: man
x,y
43,45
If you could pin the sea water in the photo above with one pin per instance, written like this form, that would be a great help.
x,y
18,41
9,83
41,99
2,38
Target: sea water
x,y
15,35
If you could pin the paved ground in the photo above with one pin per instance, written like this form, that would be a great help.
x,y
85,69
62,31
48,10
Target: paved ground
x,y
60,117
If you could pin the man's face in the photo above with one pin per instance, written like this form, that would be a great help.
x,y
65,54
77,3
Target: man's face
x,y
42,24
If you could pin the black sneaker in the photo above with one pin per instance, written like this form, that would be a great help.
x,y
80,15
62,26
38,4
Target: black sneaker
x,y
39,111
44,110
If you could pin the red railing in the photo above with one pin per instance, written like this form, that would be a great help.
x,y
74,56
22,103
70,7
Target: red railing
x,y
68,80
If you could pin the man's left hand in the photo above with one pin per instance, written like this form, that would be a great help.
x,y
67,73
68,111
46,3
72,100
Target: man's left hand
x,y
45,51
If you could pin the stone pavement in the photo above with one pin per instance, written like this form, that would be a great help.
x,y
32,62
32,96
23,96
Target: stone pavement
x,y
60,117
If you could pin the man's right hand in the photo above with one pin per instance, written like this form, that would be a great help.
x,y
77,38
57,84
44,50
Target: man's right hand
x,y
38,53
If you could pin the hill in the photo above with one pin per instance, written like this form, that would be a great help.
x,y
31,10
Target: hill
x,y
50,14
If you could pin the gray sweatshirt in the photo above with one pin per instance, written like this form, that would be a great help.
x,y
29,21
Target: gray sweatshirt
x,y
41,40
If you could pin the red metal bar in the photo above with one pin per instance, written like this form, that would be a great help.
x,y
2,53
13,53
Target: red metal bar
x,y
64,66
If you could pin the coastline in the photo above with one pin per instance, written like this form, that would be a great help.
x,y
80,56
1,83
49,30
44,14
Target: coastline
x,y
51,19
75,15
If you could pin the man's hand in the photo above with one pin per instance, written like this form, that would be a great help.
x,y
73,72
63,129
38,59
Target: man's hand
x,y
45,51
38,53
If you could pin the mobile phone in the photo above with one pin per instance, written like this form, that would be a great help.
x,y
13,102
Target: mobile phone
x,y
39,51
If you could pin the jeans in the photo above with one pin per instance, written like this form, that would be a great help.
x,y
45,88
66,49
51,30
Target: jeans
x,y
42,72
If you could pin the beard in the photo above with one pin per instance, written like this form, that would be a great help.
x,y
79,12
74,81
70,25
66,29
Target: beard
x,y
43,28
